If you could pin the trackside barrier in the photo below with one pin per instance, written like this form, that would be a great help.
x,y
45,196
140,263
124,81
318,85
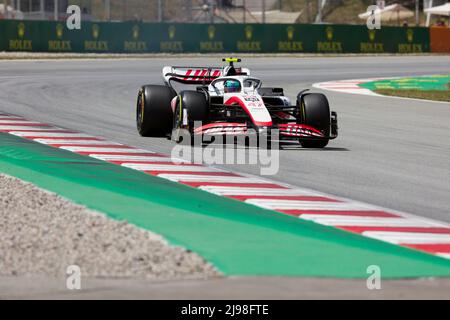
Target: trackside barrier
x,y
135,37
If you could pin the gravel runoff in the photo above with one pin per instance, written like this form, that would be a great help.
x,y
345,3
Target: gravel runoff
x,y
42,234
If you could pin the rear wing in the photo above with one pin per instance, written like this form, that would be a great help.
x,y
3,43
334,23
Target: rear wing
x,y
197,75
191,75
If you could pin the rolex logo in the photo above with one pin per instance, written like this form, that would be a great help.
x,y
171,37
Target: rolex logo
x,y
21,30
290,32
410,35
136,32
372,35
59,30
95,31
329,31
172,32
249,32
211,32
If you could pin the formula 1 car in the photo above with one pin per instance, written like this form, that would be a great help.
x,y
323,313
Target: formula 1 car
x,y
228,101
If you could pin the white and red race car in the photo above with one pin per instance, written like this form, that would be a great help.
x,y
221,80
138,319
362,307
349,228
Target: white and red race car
x,y
228,101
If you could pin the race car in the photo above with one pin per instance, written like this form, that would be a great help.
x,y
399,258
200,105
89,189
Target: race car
x,y
229,101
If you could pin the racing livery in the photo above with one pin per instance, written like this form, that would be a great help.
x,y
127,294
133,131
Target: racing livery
x,y
229,101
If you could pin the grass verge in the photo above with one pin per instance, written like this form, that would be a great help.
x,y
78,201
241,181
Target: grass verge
x,y
437,95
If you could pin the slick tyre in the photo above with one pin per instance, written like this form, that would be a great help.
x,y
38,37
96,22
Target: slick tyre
x,y
191,111
154,114
314,111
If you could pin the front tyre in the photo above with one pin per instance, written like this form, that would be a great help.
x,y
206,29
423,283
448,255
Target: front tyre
x,y
191,111
314,111
153,111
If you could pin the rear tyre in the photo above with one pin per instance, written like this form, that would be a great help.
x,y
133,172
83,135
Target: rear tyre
x,y
153,111
314,111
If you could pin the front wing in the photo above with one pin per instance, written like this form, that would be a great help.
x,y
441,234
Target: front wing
x,y
287,131
234,121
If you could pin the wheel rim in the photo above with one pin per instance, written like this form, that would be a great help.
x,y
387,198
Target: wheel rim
x,y
140,110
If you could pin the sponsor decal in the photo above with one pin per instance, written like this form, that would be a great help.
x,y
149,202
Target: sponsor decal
x,y
372,34
59,30
330,45
59,44
290,45
211,32
172,31
135,45
410,46
371,46
21,43
249,32
95,31
21,30
211,45
410,35
329,31
248,44
172,45
96,45
290,32
135,33
251,98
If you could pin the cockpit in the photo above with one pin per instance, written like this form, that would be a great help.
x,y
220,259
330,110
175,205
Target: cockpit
x,y
235,85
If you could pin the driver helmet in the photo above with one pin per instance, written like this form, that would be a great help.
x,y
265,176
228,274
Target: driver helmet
x,y
232,86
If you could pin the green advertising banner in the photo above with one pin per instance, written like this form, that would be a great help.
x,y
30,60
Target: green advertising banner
x,y
135,37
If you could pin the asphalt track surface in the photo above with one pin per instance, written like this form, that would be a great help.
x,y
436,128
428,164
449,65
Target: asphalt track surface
x,y
391,152
234,288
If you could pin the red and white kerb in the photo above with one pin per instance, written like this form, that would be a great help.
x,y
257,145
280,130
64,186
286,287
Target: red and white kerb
x,y
370,221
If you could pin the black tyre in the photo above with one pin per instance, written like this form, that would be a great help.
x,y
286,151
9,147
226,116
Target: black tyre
x,y
197,106
154,114
193,108
314,111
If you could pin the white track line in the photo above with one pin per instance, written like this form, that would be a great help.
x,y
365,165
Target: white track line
x,y
26,134
12,122
206,178
335,220
37,128
100,150
308,205
168,167
235,191
75,142
108,157
409,238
